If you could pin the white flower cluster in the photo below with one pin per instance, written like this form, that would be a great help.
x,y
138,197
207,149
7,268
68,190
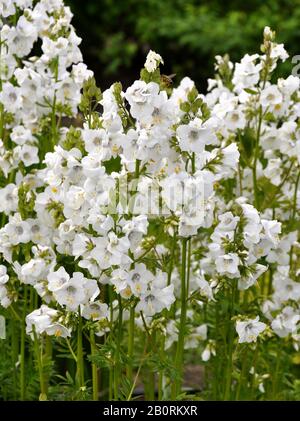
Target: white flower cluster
x,y
105,214
238,242
36,88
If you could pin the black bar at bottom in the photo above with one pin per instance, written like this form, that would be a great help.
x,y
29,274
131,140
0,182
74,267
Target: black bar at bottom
x,y
87,411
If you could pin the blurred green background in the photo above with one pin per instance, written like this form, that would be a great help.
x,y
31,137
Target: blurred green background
x,y
117,34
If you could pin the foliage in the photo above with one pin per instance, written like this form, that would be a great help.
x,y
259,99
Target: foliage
x,y
187,33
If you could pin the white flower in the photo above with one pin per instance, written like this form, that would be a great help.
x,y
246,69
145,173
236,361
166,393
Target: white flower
x,y
95,311
58,330
286,322
57,279
17,230
278,51
5,299
40,319
205,288
94,140
194,136
72,293
271,231
225,228
288,86
140,97
81,73
33,271
273,171
75,197
249,330
9,199
139,279
246,282
270,97
118,248
135,229
21,135
235,120
4,278
158,297
27,154
7,8
227,264
246,73
152,61
10,97
209,350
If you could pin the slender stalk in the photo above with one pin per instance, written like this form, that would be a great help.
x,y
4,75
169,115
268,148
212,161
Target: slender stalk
x,y
161,373
38,349
48,357
188,267
228,376
242,375
22,349
14,351
118,349
71,350
180,343
129,368
111,372
294,209
95,379
240,180
256,151
171,263
138,372
110,388
276,374
270,281
80,364
216,361
229,366
252,390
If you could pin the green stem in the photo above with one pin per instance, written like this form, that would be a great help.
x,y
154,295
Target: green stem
x,y
71,350
228,376
188,267
294,209
95,379
48,357
256,151
129,370
180,343
254,365
276,374
111,367
161,373
242,375
118,349
14,351
80,364
216,359
193,163
138,372
38,349
171,263
22,349
240,180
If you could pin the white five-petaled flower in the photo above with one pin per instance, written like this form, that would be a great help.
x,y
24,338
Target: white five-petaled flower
x,y
248,330
152,61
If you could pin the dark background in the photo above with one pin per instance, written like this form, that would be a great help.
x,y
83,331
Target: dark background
x,y
117,34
